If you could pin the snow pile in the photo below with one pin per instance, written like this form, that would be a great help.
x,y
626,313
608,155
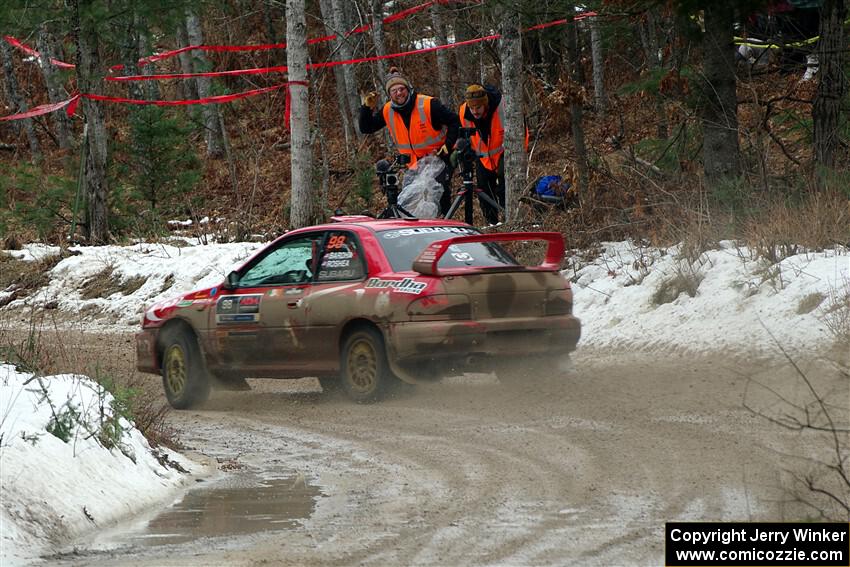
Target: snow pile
x,y
160,270
726,300
53,489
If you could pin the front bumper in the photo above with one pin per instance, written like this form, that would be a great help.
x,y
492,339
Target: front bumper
x,y
410,342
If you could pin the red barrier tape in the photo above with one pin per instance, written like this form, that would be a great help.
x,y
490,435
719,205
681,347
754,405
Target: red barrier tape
x,y
235,48
284,69
29,50
43,109
72,102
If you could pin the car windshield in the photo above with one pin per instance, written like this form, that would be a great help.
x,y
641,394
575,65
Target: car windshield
x,y
402,246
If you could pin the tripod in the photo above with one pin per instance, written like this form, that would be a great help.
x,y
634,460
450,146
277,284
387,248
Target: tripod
x,y
468,189
388,177
393,209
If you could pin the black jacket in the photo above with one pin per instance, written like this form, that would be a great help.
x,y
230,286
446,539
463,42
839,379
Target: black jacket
x,y
371,121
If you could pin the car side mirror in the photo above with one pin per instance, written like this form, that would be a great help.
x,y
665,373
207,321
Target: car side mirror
x,y
232,281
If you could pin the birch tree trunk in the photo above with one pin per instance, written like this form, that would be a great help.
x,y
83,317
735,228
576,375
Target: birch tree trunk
x,y
189,86
212,120
832,84
55,93
445,89
89,80
510,52
721,153
16,99
656,63
301,199
343,44
598,67
339,77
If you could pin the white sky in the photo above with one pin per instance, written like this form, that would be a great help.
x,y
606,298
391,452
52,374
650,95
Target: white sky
x,y
47,486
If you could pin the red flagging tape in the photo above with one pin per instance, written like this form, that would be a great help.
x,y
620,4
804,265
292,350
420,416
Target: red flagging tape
x,y
72,102
30,51
235,48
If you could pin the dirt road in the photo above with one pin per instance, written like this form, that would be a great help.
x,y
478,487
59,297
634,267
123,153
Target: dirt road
x,y
584,469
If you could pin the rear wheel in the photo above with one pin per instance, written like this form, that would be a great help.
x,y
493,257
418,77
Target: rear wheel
x,y
365,374
184,377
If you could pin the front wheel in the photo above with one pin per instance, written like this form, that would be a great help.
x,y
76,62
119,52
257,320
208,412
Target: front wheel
x,y
365,372
184,377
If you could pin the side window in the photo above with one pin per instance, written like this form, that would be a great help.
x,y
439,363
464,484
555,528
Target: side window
x,y
289,263
342,258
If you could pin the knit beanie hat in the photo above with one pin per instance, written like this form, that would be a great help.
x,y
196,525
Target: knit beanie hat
x,y
394,77
475,95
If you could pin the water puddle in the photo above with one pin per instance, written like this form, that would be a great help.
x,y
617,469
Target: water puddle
x,y
266,505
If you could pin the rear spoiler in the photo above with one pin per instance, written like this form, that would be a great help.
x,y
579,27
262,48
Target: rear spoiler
x,y
426,262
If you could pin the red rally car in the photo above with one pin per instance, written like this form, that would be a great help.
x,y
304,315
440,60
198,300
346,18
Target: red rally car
x,y
361,303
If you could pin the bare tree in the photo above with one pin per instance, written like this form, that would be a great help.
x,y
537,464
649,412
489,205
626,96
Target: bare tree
x,y
339,76
212,120
55,93
377,15
95,138
301,200
16,99
576,106
598,66
721,149
189,87
442,57
510,51
832,85
343,45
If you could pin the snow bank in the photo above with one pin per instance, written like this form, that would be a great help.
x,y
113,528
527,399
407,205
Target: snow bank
x,y
53,490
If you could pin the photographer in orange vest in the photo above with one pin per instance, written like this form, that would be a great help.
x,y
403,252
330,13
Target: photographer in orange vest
x,y
419,125
482,110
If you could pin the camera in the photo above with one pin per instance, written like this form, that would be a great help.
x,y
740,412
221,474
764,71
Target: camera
x,y
388,177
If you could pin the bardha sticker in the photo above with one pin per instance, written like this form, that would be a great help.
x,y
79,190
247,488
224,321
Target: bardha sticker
x,y
407,285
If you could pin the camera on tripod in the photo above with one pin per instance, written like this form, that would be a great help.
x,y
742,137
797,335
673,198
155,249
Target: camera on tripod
x,y
387,173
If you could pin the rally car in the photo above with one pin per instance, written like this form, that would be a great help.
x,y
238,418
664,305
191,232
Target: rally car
x,y
361,304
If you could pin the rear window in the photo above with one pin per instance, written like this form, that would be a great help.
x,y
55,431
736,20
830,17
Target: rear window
x,y
402,246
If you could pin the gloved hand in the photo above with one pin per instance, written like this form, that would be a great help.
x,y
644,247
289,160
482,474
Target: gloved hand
x,y
369,99
443,152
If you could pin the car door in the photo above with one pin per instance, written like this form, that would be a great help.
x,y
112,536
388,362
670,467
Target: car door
x,y
336,295
260,324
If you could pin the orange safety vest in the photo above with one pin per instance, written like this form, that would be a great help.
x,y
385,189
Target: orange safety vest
x,y
491,152
421,139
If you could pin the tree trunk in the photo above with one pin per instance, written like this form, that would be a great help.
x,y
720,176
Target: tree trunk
x,y
55,93
377,9
343,44
576,110
212,121
16,99
339,77
445,88
466,59
151,88
510,52
831,82
301,200
189,86
721,153
598,67
90,80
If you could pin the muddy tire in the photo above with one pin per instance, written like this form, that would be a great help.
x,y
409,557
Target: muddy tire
x,y
184,375
364,372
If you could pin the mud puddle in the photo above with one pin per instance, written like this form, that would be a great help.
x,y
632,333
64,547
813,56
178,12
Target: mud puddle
x,y
228,510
